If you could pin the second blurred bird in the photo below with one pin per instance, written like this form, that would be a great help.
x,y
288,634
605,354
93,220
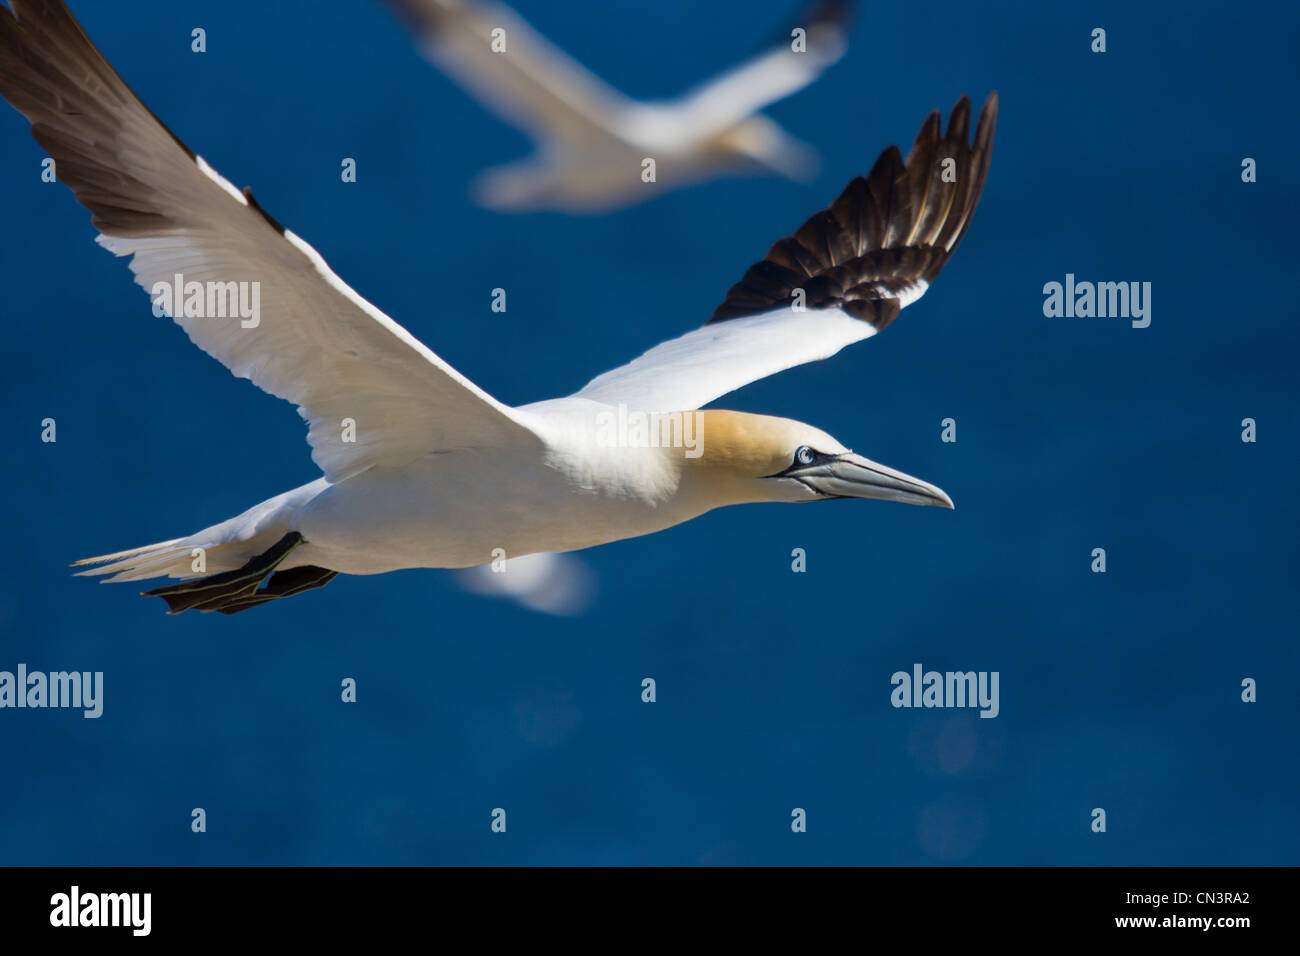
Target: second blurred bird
x,y
592,142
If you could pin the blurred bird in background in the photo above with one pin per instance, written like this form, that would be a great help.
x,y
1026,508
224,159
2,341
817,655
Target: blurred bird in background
x,y
594,144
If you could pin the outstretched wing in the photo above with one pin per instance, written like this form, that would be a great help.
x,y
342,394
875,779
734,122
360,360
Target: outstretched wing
x,y
842,277
529,82
774,74
316,342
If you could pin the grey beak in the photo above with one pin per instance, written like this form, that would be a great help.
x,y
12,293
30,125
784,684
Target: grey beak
x,y
852,476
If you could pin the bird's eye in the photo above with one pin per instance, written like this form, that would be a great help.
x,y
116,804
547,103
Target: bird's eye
x,y
804,455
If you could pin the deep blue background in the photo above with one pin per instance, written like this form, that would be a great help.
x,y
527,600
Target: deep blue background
x,y
1118,691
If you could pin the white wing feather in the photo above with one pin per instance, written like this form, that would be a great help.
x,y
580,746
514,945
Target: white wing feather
x,y
767,78
318,344
692,370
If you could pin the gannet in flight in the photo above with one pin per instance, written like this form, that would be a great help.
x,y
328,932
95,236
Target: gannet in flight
x,y
436,472
591,140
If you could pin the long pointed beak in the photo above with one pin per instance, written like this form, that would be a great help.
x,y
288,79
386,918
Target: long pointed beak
x,y
852,476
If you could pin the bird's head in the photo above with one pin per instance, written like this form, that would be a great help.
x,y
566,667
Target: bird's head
x,y
746,458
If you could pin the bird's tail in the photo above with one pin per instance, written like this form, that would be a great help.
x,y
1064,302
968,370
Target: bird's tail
x,y
223,565
166,558
222,547
188,557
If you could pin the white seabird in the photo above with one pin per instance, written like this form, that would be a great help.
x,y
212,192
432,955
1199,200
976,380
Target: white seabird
x,y
439,473
592,141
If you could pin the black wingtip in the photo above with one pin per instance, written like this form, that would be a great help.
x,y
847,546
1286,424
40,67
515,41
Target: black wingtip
x,y
53,74
887,235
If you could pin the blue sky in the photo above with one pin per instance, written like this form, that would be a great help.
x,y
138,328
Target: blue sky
x,y
1118,690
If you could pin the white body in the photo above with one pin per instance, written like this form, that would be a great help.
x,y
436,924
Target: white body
x,y
454,509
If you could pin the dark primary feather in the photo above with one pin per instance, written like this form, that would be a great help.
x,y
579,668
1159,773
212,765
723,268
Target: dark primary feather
x,y
87,118
885,232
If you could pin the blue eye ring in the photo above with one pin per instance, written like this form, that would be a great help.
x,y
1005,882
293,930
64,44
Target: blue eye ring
x,y
803,455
